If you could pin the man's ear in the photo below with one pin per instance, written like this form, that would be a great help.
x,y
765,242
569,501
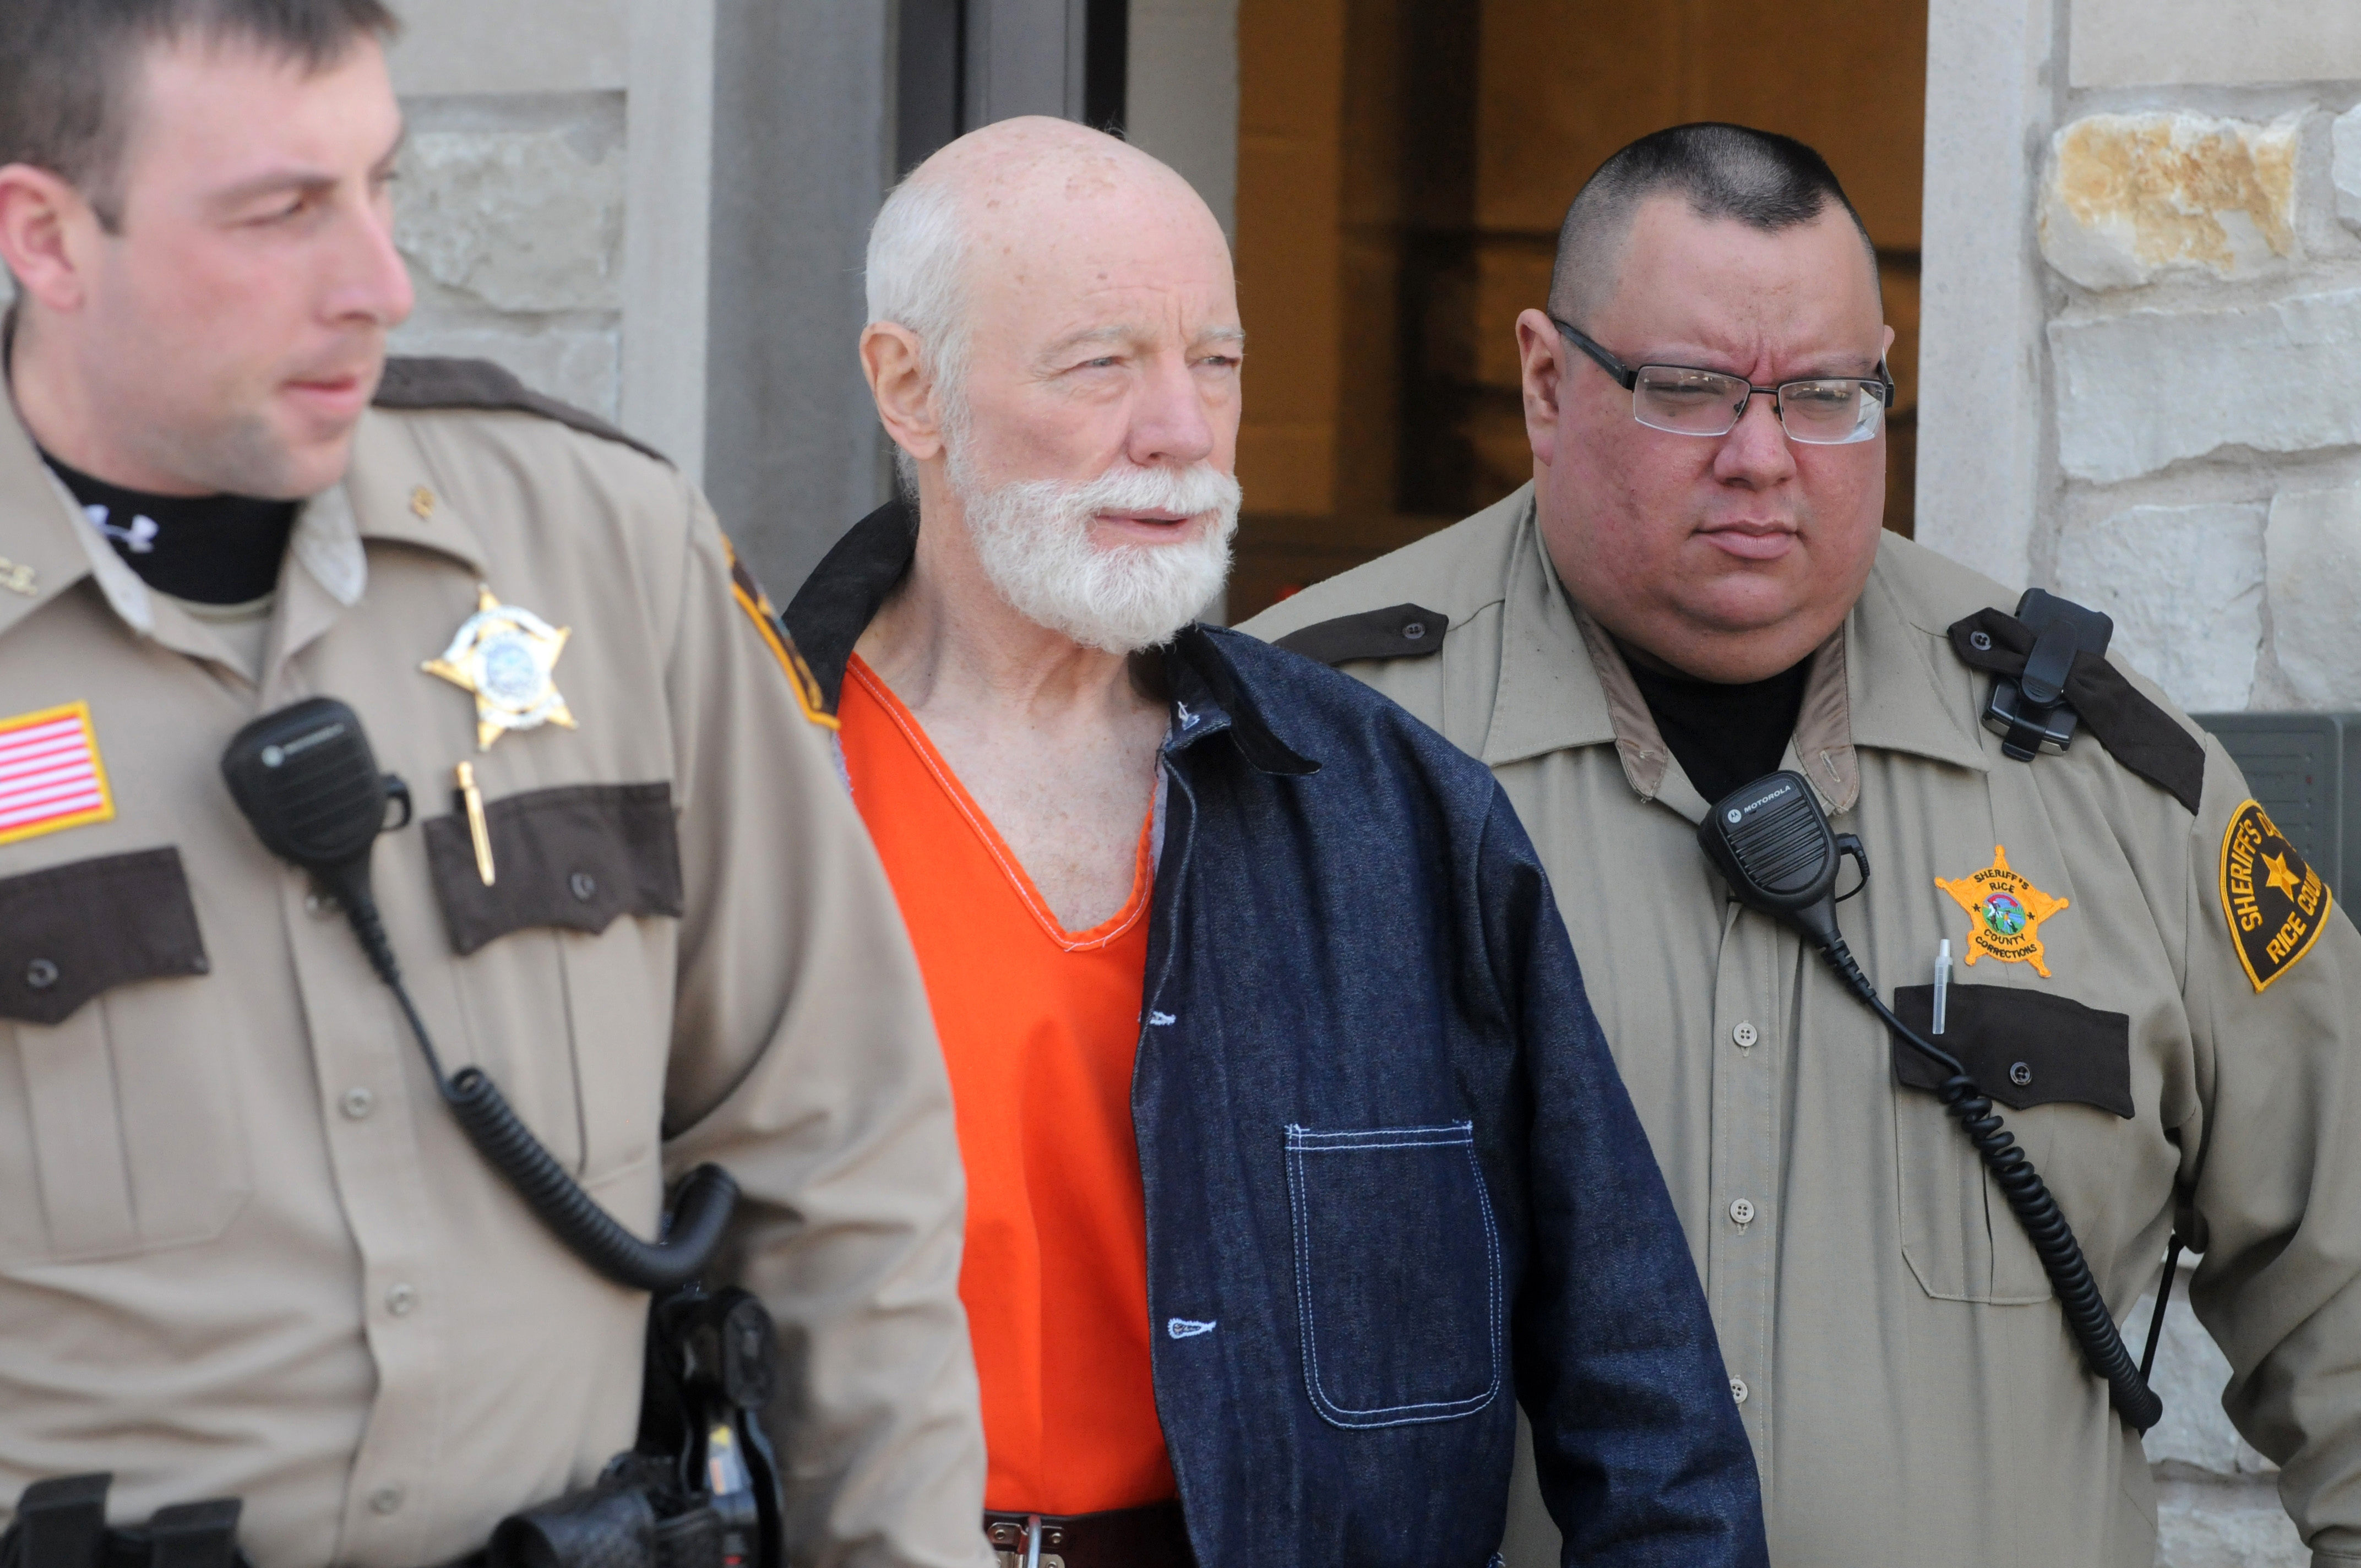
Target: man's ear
x,y
1541,352
45,228
891,358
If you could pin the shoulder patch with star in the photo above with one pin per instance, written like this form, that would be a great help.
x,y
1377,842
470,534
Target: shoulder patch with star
x,y
758,608
2275,902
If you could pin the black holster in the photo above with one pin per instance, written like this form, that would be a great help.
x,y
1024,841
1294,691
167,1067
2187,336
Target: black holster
x,y
62,1523
700,1488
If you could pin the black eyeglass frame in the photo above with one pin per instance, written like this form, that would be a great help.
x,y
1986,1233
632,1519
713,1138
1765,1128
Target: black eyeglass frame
x,y
1628,377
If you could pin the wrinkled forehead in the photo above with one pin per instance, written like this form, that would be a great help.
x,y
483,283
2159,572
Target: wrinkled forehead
x,y
1095,247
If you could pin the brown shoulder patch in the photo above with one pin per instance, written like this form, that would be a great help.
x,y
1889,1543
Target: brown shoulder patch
x,y
1398,631
420,383
2275,902
758,608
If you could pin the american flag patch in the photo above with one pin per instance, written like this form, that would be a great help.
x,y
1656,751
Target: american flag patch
x,y
50,775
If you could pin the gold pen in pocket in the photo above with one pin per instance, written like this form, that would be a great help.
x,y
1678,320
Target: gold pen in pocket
x,y
476,828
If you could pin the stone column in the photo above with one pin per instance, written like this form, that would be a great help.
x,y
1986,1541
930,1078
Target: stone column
x,y
1981,430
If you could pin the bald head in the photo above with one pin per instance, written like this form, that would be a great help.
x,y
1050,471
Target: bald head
x,y
992,205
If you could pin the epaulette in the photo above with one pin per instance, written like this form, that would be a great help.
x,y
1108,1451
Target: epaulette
x,y
420,383
2137,732
1398,631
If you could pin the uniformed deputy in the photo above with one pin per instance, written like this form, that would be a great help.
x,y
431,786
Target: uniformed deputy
x,y
244,1250
1694,591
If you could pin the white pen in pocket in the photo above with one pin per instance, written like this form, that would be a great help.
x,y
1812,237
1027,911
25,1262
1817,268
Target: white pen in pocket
x,y
1942,983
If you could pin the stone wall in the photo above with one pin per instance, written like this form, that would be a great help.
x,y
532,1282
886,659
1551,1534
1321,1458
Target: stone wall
x,y
2178,439
2141,388
510,203
510,214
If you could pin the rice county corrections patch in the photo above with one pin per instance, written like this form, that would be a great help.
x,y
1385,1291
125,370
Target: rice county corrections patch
x,y
2275,903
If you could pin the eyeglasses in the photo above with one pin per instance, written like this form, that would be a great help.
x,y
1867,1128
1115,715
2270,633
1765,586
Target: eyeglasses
x,y
1829,410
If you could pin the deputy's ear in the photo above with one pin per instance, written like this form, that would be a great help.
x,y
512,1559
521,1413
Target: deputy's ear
x,y
46,231
1540,353
891,358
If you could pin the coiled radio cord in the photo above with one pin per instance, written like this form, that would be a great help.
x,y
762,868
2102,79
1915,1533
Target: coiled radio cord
x,y
2028,1198
575,1217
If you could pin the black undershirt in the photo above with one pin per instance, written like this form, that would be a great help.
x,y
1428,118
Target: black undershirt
x,y
1723,736
204,549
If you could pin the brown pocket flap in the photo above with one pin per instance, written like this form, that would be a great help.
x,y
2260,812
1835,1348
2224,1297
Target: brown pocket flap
x,y
576,857
2022,1048
69,932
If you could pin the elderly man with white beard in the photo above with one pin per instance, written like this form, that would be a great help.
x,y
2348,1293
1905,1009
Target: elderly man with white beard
x,y
1294,1156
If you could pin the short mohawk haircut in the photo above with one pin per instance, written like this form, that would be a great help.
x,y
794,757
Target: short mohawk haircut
x,y
1760,178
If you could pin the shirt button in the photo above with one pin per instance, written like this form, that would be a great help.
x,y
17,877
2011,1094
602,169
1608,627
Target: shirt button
x,y
40,974
400,1299
1737,1389
357,1102
585,886
1742,1211
1745,1036
2020,1074
320,906
385,1499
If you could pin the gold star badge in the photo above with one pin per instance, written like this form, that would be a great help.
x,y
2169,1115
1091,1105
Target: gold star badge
x,y
2005,912
508,657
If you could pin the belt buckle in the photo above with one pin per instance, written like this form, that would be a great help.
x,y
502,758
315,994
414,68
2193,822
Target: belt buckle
x,y
1032,1535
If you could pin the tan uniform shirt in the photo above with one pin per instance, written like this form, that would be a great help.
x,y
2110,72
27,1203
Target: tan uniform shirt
x,y
244,1249
1912,1391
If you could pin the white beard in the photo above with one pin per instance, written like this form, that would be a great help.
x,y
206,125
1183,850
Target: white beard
x,y
1033,537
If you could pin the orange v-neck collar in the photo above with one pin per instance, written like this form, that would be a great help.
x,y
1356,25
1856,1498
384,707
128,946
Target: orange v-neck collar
x,y
1099,935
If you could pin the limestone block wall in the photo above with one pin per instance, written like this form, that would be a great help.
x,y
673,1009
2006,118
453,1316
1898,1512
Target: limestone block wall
x,y
509,211
2188,400
510,202
554,199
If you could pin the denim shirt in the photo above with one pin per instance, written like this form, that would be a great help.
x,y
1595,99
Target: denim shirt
x,y
1393,1183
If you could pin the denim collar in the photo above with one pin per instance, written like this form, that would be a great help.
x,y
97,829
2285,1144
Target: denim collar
x,y
1210,698
843,594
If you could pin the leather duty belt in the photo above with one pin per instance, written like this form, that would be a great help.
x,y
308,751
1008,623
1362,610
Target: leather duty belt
x,y
1153,1536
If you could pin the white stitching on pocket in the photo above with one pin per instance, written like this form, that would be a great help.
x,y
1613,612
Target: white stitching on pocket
x,y
1302,1140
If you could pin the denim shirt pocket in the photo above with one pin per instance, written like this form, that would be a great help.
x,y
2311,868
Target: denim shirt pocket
x,y
1397,1274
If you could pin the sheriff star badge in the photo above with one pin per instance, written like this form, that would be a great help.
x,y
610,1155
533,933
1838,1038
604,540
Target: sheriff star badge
x,y
508,657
